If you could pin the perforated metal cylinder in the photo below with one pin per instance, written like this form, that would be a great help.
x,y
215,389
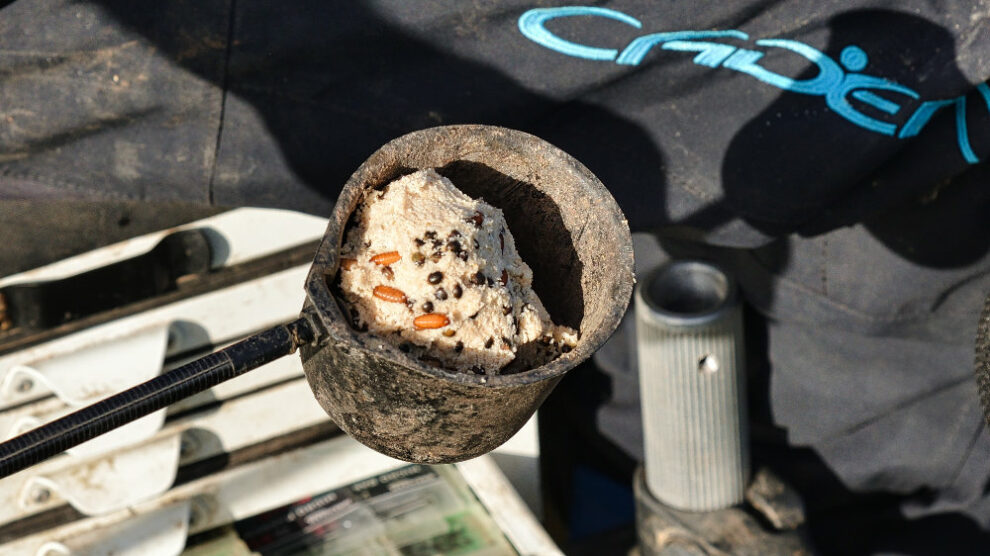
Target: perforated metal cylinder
x,y
692,389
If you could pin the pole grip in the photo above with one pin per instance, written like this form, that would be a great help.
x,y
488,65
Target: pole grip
x,y
53,438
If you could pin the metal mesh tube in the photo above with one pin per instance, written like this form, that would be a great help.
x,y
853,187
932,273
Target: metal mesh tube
x,y
692,389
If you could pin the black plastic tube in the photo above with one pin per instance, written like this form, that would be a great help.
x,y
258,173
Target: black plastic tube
x,y
53,438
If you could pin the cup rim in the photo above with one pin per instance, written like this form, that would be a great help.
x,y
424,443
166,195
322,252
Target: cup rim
x,y
325,309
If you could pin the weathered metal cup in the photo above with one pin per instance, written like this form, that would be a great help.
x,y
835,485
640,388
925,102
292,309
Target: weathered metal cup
x,y
567,227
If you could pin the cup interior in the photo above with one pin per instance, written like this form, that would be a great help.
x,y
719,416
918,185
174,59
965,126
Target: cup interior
x,y
567,228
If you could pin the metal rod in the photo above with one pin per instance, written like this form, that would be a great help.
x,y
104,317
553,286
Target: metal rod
x,y
53,438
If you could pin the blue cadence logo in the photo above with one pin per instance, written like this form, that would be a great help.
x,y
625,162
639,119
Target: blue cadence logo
x,y
836,81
